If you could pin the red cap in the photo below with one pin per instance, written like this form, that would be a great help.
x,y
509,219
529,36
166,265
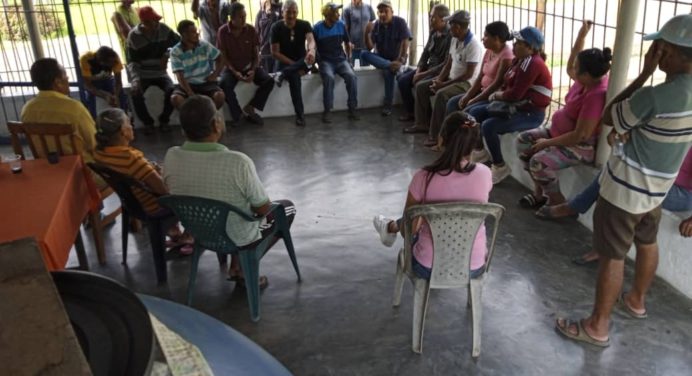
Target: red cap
x,y
147,13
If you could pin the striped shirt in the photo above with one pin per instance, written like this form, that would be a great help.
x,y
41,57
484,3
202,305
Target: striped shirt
x,y
210,170
659,120
196,63
130,162
145,52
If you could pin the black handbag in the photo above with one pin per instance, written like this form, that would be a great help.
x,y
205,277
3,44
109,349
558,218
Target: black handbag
x,y
503,109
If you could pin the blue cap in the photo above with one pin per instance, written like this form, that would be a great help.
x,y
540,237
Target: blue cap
x,y
532,36
678,31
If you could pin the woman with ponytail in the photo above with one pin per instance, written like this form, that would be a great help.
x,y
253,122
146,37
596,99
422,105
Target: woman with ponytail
x,y
452,177
572,137
113,136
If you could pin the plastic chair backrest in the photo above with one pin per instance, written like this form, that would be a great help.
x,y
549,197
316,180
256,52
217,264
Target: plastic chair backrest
x,y
205,219
454,227
122,185
44,138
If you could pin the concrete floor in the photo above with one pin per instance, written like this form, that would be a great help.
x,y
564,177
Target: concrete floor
x,y
340,321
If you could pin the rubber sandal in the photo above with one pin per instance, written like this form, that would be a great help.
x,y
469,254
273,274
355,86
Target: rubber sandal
x,y
622,305
186,249
529,201
263,282
581,336
581,261
429,142
544,213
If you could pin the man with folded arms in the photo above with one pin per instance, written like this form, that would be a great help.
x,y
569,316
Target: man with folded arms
x,y
390,37
653,123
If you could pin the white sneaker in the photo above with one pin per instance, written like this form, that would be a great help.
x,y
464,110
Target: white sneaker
x,y
480,156
381,224
500,173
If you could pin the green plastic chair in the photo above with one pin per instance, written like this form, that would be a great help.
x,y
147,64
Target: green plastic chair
x,y
205,219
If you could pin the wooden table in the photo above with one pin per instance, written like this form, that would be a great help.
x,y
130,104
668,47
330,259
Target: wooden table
x,y
48,202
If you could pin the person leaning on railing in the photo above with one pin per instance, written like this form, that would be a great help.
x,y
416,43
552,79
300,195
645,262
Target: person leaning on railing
x,y
526,88
572,136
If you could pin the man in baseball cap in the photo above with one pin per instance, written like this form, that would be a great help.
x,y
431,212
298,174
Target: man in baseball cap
x,y
654,123
147,52
328,8
147,13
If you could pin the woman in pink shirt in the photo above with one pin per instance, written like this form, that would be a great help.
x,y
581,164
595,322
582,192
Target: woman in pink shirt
x,y
497,59
571,139
452,177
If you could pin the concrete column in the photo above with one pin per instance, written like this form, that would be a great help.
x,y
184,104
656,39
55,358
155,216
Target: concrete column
x,y
622,53
413,25
33,28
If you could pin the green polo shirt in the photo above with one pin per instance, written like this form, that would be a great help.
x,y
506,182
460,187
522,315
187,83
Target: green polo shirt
x,y
210,170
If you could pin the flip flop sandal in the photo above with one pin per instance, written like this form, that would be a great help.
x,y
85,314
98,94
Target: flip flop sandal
x,y
544,213
530,201
622,305
264,282
581,336
581,261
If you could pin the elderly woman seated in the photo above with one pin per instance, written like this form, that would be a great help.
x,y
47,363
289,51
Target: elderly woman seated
x,y
571,139
113,136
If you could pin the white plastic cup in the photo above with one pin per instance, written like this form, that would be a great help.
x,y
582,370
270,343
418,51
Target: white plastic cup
x,y
15,162
356,63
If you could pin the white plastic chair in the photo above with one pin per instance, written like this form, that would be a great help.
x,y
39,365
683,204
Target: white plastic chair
x,y
454,227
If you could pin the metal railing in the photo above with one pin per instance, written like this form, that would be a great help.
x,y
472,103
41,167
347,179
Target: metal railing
x,y
91,19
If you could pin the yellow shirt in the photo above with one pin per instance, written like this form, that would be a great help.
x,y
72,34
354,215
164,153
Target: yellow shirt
x,y
92,69
53,107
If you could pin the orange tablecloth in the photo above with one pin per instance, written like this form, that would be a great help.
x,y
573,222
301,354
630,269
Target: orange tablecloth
x,y
47,202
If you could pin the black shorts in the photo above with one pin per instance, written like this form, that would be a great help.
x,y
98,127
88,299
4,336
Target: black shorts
x,y
207,88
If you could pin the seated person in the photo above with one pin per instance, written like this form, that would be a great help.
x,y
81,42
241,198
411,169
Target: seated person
x,y
332,39
196,64
389,36
497,59
113,136
527,86
288,38
204,168
52,104
239,44
452,177
102,74
460,69
572,137
429,65
147,55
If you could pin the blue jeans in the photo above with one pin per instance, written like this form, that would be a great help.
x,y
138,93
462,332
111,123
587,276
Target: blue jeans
x,y
453,104
678,199
105,85
355,54
583,201
382,64
493,127
405,83
343,69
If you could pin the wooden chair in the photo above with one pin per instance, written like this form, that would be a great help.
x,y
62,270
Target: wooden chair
x,y
44,138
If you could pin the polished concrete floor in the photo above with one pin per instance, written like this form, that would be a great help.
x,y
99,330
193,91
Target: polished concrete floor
x,y
339,320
